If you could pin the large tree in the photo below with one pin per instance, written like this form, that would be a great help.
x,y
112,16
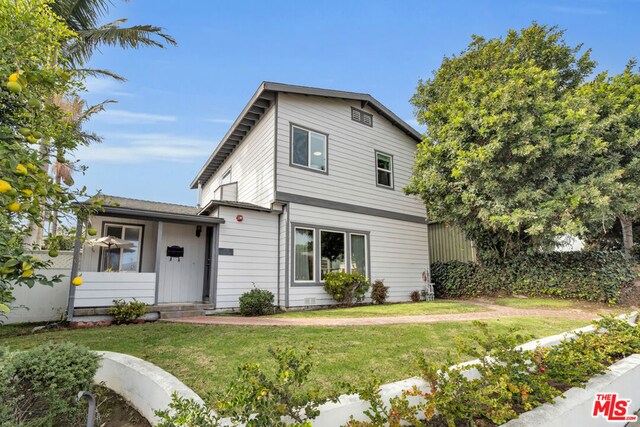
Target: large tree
x,y
31,43
507,138
617,100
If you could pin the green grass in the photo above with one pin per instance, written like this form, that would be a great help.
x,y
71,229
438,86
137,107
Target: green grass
x,y
535,302
206,357
405,309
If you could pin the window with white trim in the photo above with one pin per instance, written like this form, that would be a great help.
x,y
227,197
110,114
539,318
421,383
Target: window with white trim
x,y
320,250
384,170
126,258
304,254
308,149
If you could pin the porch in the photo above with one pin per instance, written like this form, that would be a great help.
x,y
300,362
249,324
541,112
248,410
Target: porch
x,y
169,262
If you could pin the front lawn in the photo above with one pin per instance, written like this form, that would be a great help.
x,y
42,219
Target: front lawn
x,y
206,357
402,309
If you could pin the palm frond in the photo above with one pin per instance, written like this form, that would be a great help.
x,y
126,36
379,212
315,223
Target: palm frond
x,y
94,109
113,35
81,14
101,73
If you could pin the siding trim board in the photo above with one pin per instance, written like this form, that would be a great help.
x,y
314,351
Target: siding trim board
x,y
317,246
347,207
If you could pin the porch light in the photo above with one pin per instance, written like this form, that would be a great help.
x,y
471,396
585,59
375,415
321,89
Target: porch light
x,y
317,153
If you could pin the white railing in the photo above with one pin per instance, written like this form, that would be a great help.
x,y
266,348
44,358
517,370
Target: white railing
x,y
99,289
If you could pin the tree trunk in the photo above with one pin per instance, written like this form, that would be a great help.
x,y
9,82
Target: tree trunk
x,y
627,234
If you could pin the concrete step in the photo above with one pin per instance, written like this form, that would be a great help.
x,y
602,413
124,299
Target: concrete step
x,y
182,307
180,314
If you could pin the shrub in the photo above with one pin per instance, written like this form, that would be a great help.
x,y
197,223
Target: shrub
x,y
39,386
593,276
379,292
510,380
126,312
415,296
257,397
256,302
346,287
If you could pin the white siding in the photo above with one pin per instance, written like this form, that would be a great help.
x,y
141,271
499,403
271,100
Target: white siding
x,y
251,165
91,255
283,256
398,251
181,280
254,241
351,155
100,289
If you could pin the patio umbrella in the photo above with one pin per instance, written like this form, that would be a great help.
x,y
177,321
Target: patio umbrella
x,y
110,242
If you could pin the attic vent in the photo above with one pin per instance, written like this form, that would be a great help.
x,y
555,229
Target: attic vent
x,y
361,117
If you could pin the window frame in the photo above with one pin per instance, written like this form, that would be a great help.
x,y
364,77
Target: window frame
x,y
224,175
293,126
122,225
366,251
313,254
378,169
292,282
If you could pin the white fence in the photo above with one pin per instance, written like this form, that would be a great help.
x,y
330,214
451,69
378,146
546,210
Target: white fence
x,y
43,303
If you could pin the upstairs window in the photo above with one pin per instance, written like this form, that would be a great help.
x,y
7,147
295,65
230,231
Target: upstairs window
x,y
384,170
361,117
308,149
226,178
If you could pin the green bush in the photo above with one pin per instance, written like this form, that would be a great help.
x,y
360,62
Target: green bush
x,y
591,275
379,292
257,397
256,302
510,380
346,287
39,387
126,312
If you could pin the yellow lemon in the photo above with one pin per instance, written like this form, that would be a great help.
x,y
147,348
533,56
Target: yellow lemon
x,y
14,87
14,207
27,192
27,273
20,169
4,186
77,281
31,139
14,77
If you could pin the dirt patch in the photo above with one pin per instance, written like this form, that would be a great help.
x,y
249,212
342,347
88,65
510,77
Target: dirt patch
x,y
114,411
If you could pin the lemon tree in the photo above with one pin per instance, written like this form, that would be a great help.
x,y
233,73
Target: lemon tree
x,y
31,43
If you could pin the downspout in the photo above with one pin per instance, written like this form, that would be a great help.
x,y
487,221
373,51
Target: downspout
x,y
199,194
278,274
74,270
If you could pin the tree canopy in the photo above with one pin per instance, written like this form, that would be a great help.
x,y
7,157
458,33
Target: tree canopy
x,y
510,142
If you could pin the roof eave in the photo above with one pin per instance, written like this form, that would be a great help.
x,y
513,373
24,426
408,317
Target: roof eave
x,y
119,211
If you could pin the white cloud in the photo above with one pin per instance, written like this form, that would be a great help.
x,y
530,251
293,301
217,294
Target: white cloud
x,y
106,86
120,117
146,147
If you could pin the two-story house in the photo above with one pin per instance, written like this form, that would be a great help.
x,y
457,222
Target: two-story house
x,y
305,182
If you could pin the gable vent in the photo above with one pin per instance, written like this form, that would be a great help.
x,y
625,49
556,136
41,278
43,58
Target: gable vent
x,y
361,117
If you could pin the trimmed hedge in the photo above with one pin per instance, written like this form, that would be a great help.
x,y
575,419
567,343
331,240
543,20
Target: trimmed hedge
x,y
592,276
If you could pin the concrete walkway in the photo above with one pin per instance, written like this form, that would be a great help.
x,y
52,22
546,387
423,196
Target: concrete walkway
x,y
492,312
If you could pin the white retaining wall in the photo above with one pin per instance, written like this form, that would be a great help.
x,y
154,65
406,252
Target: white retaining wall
x,y
43,303
144,385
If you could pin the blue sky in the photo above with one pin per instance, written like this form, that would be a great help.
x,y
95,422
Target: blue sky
x,y
178,102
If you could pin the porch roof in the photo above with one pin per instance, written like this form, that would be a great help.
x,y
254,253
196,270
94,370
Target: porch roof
x,y
125,207
208,208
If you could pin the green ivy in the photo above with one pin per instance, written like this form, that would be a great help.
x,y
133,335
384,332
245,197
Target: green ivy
x,y
591,275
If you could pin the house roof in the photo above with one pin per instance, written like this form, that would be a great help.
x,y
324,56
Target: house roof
x,y
145,209
242,205
262,100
